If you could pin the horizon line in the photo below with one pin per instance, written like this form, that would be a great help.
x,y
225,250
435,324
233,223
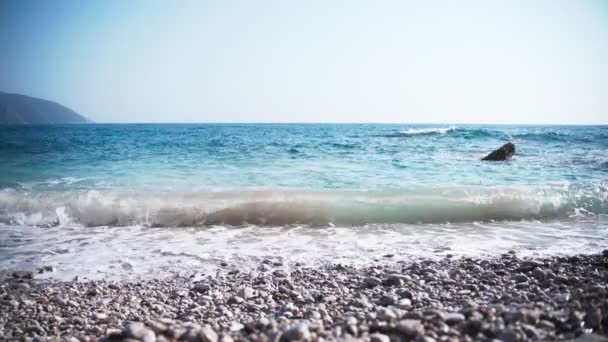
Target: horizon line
x,y
90,122
335,123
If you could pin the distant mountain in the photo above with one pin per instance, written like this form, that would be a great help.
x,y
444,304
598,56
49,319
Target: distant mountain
x,y
18,109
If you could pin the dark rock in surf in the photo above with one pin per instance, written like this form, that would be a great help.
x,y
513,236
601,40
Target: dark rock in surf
x,y
505,152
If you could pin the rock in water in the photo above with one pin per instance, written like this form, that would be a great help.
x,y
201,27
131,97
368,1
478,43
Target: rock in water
x,y
505,152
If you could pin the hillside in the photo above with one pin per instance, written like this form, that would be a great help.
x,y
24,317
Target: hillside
x,y
18,109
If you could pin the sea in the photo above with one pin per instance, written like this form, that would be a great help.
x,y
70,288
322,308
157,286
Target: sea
x,y
127,201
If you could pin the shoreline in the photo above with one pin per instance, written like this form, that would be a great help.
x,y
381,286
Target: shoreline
x,y
506,298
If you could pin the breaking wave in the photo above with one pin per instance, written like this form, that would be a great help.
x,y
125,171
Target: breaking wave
x,y
463,132
428,131
291,207
421,131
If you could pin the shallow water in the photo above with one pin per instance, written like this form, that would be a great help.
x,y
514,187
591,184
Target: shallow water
x,y
140,252
149,200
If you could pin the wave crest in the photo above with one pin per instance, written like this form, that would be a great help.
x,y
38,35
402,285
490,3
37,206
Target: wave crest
x,y
421,131
287,207
429,131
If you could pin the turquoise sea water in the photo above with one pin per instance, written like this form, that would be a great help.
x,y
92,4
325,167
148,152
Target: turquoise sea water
x,y
318,174
255,179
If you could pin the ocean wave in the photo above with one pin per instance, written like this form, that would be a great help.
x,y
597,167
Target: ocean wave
x,y
420,131
543,136
429,131
557,136
290,207
464,132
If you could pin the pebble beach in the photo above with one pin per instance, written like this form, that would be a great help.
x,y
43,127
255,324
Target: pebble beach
x,y
506,298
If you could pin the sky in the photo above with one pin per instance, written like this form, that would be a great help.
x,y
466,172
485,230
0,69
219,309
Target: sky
x,y
468,61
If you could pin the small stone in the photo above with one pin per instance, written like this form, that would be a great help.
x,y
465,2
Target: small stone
x,y
175,332
157,327
262,323
475,268
100,317
593,318
23,275
280,274
297,332
531,264
521,278
350,320
472,327
454,318
28,302
206,334
201,288
371,282
605,252
546,324
140,332
538,274
410,327
330,299
413,315
226,338
514,316
311,314
386,314
23,286
247,293
531,316
92,291
508,335
387,300
406,294
562,297
531,332
488,275
591,338
236,326
235,300
405,302
377,337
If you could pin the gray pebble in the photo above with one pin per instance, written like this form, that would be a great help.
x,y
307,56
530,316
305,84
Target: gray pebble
x,y
206,334
297,332
377,337
410,327
454,318
140,332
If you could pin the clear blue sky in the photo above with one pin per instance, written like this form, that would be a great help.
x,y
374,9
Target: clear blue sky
x,y
515,61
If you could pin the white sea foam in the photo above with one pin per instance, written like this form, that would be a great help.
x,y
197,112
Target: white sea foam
x,y
142,252
429,131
